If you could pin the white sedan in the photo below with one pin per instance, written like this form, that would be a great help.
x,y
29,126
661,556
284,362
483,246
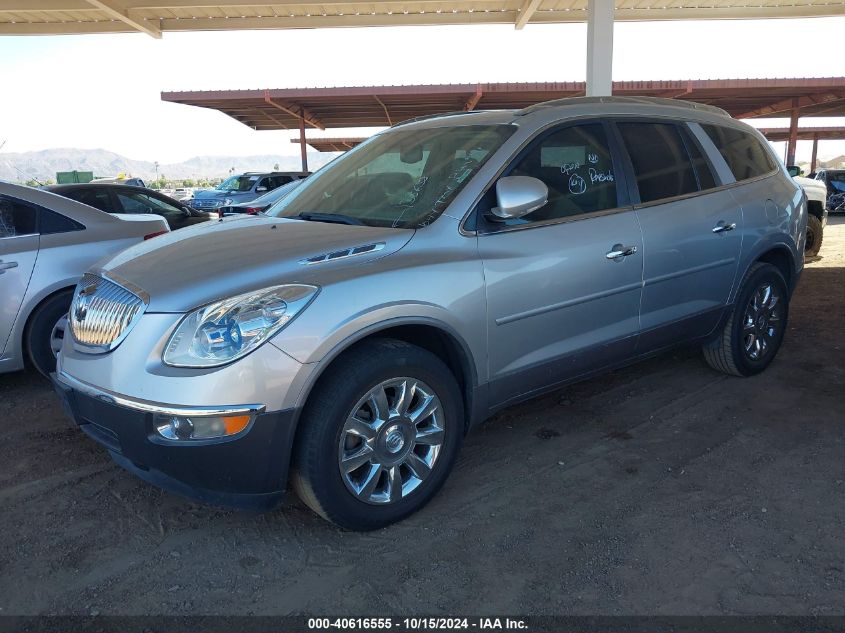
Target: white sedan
x,y
46,243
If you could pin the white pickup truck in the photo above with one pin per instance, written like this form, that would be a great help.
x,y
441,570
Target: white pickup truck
x,y
817,208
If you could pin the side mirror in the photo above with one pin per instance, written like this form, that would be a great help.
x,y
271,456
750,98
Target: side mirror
x,y
794,170
260,189
517,196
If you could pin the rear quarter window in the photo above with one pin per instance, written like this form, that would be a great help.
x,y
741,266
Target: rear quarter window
x,y
745,155
51,222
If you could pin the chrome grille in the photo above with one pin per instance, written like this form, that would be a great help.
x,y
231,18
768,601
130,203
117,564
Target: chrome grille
x,y
206,203
102,314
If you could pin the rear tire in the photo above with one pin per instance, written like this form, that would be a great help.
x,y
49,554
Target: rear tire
x,y
365,456
815,232
750,339
46,330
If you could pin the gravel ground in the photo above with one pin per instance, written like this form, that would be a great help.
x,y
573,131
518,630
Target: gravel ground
x,y
664,488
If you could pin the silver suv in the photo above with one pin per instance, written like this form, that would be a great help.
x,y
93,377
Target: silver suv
x,y
444,269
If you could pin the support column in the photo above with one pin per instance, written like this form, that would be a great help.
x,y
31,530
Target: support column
x,y
793,133
815,153
302,147
599,48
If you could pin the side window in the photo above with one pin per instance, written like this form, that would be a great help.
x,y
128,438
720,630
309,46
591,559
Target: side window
x,y
133,202
97,198
50,222
662,166
576,165
742,151
16,218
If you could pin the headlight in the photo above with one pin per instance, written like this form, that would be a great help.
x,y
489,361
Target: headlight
x,y
227,330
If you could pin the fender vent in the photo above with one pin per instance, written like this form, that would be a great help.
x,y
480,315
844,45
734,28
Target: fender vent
x,y
342,254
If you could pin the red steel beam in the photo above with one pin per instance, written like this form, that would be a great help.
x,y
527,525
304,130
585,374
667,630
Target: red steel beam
x,y
790,104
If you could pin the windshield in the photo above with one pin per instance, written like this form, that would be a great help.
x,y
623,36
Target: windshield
x,y
402,179
237,183
837,180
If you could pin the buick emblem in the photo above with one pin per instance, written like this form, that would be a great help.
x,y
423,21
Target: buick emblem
x,y
80,310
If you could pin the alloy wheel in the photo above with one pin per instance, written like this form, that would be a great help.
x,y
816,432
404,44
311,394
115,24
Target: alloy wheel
x,y
391,440
57,335
762,322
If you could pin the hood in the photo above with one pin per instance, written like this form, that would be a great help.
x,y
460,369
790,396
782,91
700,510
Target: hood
x,y
213,260
809,184
205,194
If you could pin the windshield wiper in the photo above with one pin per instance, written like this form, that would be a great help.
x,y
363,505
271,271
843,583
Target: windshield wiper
x,y
337,218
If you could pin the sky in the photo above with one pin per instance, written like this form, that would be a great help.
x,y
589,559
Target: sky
x,y
103,91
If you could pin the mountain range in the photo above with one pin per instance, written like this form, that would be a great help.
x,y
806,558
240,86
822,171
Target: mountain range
x,y
44,164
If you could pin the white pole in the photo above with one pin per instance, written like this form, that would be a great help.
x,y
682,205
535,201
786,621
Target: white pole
x,y
599,48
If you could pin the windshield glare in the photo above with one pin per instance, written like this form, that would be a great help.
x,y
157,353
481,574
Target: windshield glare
x,y
237,183
401,179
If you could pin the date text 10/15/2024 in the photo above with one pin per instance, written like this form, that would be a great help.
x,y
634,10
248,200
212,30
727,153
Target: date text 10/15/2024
x,y
417,624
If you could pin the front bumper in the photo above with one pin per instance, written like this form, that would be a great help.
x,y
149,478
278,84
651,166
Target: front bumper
x,y
248,470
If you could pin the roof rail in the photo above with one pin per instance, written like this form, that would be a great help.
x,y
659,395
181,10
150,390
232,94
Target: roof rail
x,y
678,103
434,116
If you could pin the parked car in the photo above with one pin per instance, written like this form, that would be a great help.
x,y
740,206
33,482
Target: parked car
x,y
46,243
113,198
242,188
816,208
134,182
262,203
834,180
444,269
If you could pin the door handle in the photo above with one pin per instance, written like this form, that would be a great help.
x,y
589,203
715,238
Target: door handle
x,y
721,227
618,251
4,266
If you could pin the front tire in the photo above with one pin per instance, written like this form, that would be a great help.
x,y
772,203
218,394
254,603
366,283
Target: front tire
x,y
815,232
751,338
379,435
45,332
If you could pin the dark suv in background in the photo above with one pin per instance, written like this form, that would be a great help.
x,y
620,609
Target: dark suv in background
x,y
242,188
117,198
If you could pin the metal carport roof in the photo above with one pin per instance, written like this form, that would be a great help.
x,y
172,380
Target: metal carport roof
x,y
154,17
375,106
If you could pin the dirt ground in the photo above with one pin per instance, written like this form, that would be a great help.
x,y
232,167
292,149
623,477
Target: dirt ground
x,y
663,488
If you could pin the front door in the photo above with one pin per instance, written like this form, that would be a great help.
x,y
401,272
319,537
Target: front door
x,y
18,252
563,283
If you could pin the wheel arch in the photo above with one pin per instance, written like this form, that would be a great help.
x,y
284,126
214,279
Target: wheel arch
x,y
32,311
781,258
432,335
816,208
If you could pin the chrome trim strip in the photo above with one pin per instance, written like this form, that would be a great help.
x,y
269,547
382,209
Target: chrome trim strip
x,y
153,407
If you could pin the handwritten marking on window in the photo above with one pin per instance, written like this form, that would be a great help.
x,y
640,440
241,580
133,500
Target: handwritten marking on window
x,y
577,185
593,158
599,176
568,168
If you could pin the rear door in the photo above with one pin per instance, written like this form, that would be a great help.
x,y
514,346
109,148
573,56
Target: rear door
x,y
692,232
18,251
559,303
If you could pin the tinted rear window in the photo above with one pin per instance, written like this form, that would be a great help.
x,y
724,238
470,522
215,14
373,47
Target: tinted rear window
x,y
52,222
662,165
745,155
